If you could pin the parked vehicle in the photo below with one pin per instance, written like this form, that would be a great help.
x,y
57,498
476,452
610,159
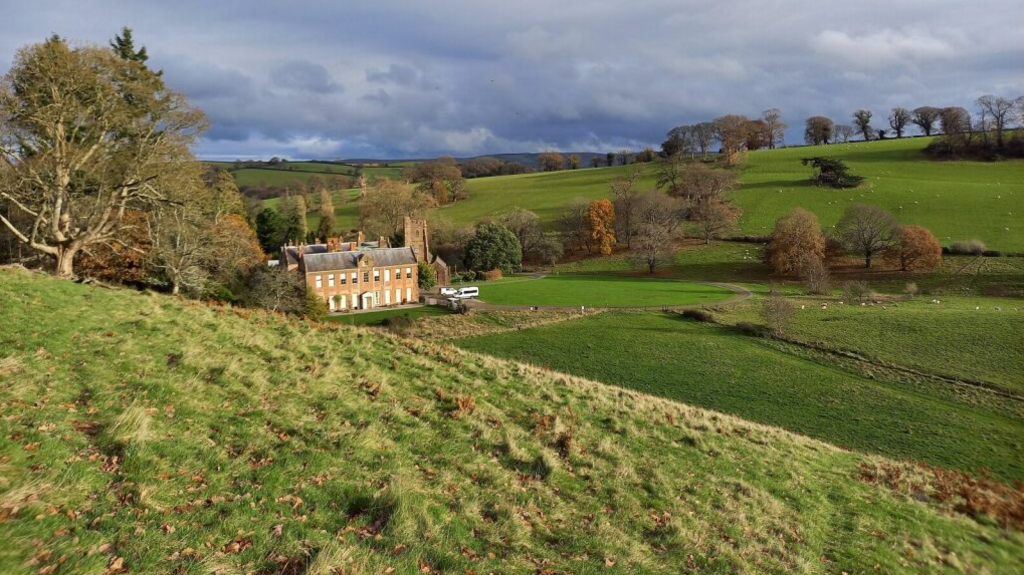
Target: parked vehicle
x,y
447,290
467,292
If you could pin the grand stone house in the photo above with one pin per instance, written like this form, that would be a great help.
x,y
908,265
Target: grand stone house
x,y
358,274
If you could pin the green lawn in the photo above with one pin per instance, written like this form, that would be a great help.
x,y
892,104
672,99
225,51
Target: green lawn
x,y
718,261
600,291
376,317
716,368
956,200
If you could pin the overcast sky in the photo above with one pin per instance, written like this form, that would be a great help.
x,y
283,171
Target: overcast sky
x,y
418,78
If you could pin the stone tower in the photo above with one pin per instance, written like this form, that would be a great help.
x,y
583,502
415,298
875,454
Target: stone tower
x,y
416,238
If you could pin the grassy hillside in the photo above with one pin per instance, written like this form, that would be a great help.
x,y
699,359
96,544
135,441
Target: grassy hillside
x,y
718,368
145,434
956,200
283,174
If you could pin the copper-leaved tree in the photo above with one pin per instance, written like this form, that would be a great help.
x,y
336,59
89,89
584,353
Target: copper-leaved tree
x,y
86,136
601,219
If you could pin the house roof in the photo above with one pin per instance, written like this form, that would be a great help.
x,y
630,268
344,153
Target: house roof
x,y
382,257
291,253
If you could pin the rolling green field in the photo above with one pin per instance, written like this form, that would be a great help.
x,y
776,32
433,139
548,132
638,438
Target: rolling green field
x,y
956,200
376,317
156,435
717,368
973,338
289,172
346,209
600,291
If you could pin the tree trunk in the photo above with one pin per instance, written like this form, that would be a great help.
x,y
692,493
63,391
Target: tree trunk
x,y
867,259
175,288
65,261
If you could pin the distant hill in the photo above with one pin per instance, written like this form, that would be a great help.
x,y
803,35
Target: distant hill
x,y
154,435
957,200
530,160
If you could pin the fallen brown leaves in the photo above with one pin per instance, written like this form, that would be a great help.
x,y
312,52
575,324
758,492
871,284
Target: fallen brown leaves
x,y
960,492
237,545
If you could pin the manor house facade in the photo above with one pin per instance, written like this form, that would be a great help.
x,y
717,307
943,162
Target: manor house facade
x,y
359,275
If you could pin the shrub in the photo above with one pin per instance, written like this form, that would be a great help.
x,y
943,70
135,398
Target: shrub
x,y
752,329
815,276
856,290
777,312
427,276
968,248
992,254
315,308
397,324
494,274
698,315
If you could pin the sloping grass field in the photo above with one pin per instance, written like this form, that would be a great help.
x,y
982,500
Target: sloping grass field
x,y
718,368
145,434
956,200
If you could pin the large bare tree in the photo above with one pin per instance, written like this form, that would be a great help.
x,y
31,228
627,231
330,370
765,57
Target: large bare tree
x,y
624,197
999,110
866,230
731,131
899,118
862,121
776,127
386,203
818,130
925,117
85,136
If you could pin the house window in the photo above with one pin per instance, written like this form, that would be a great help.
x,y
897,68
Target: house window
x,y
354,276
408,273
330,280
343,279
398,296
319,282
408,294
387,275
366,277
376,275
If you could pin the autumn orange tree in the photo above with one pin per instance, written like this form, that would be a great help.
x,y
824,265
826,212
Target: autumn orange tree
x,y
797,236
601,220
914,248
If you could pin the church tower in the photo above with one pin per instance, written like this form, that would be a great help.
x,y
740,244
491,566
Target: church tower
x,y
416,238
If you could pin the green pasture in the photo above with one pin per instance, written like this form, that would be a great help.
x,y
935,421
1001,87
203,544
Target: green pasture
x,y
971,338
718,368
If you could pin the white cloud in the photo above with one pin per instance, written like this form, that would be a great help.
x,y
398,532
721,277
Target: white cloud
x,y
883,47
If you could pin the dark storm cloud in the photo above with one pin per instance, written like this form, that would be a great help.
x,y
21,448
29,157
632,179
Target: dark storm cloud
x,y
467,77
